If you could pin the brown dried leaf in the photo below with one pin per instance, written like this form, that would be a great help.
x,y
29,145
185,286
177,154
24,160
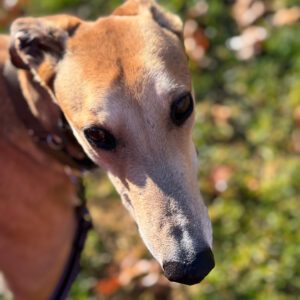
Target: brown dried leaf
x,y
246,12
108,286
136,269
220,177
221,113
195,41
296,140
249,42
286,16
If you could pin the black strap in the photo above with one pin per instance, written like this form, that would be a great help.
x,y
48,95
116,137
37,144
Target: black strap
x,y
73,265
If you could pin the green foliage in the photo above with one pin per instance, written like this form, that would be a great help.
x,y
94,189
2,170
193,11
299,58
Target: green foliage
x,y
255,220
82,8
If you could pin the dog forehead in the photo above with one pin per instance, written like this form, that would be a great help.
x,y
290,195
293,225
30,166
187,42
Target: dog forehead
x,y
120,59
123,46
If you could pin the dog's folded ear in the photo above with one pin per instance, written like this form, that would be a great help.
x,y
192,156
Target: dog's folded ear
x,y
37,44
165,19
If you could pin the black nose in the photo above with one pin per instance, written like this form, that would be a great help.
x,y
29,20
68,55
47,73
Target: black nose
x,y
190,273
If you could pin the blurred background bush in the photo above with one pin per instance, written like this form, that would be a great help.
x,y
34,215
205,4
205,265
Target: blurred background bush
x,y
245,61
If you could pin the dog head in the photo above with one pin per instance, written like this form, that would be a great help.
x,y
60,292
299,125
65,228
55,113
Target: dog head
x,y
124,86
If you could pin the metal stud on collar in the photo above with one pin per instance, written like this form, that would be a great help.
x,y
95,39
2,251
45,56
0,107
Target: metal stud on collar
x,y
54,141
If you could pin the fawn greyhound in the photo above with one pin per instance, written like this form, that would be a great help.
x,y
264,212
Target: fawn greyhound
x,y
123,86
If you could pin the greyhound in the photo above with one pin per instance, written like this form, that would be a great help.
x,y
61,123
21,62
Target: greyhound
x,y
123,86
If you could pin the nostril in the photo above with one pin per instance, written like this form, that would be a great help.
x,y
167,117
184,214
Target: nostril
x,y
190,273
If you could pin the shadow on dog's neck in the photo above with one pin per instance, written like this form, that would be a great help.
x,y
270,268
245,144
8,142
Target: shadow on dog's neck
x,y
43,119
37,98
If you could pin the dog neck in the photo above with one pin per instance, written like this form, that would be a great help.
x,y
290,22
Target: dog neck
x,y
43,119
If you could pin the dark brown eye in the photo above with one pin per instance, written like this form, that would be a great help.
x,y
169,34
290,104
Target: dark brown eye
x,y
100,138
181,109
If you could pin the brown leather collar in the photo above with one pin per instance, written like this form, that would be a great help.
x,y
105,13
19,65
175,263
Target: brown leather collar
x,y
60,145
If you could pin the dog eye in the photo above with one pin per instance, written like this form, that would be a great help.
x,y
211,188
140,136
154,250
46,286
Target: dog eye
x,y
100,138
181,109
